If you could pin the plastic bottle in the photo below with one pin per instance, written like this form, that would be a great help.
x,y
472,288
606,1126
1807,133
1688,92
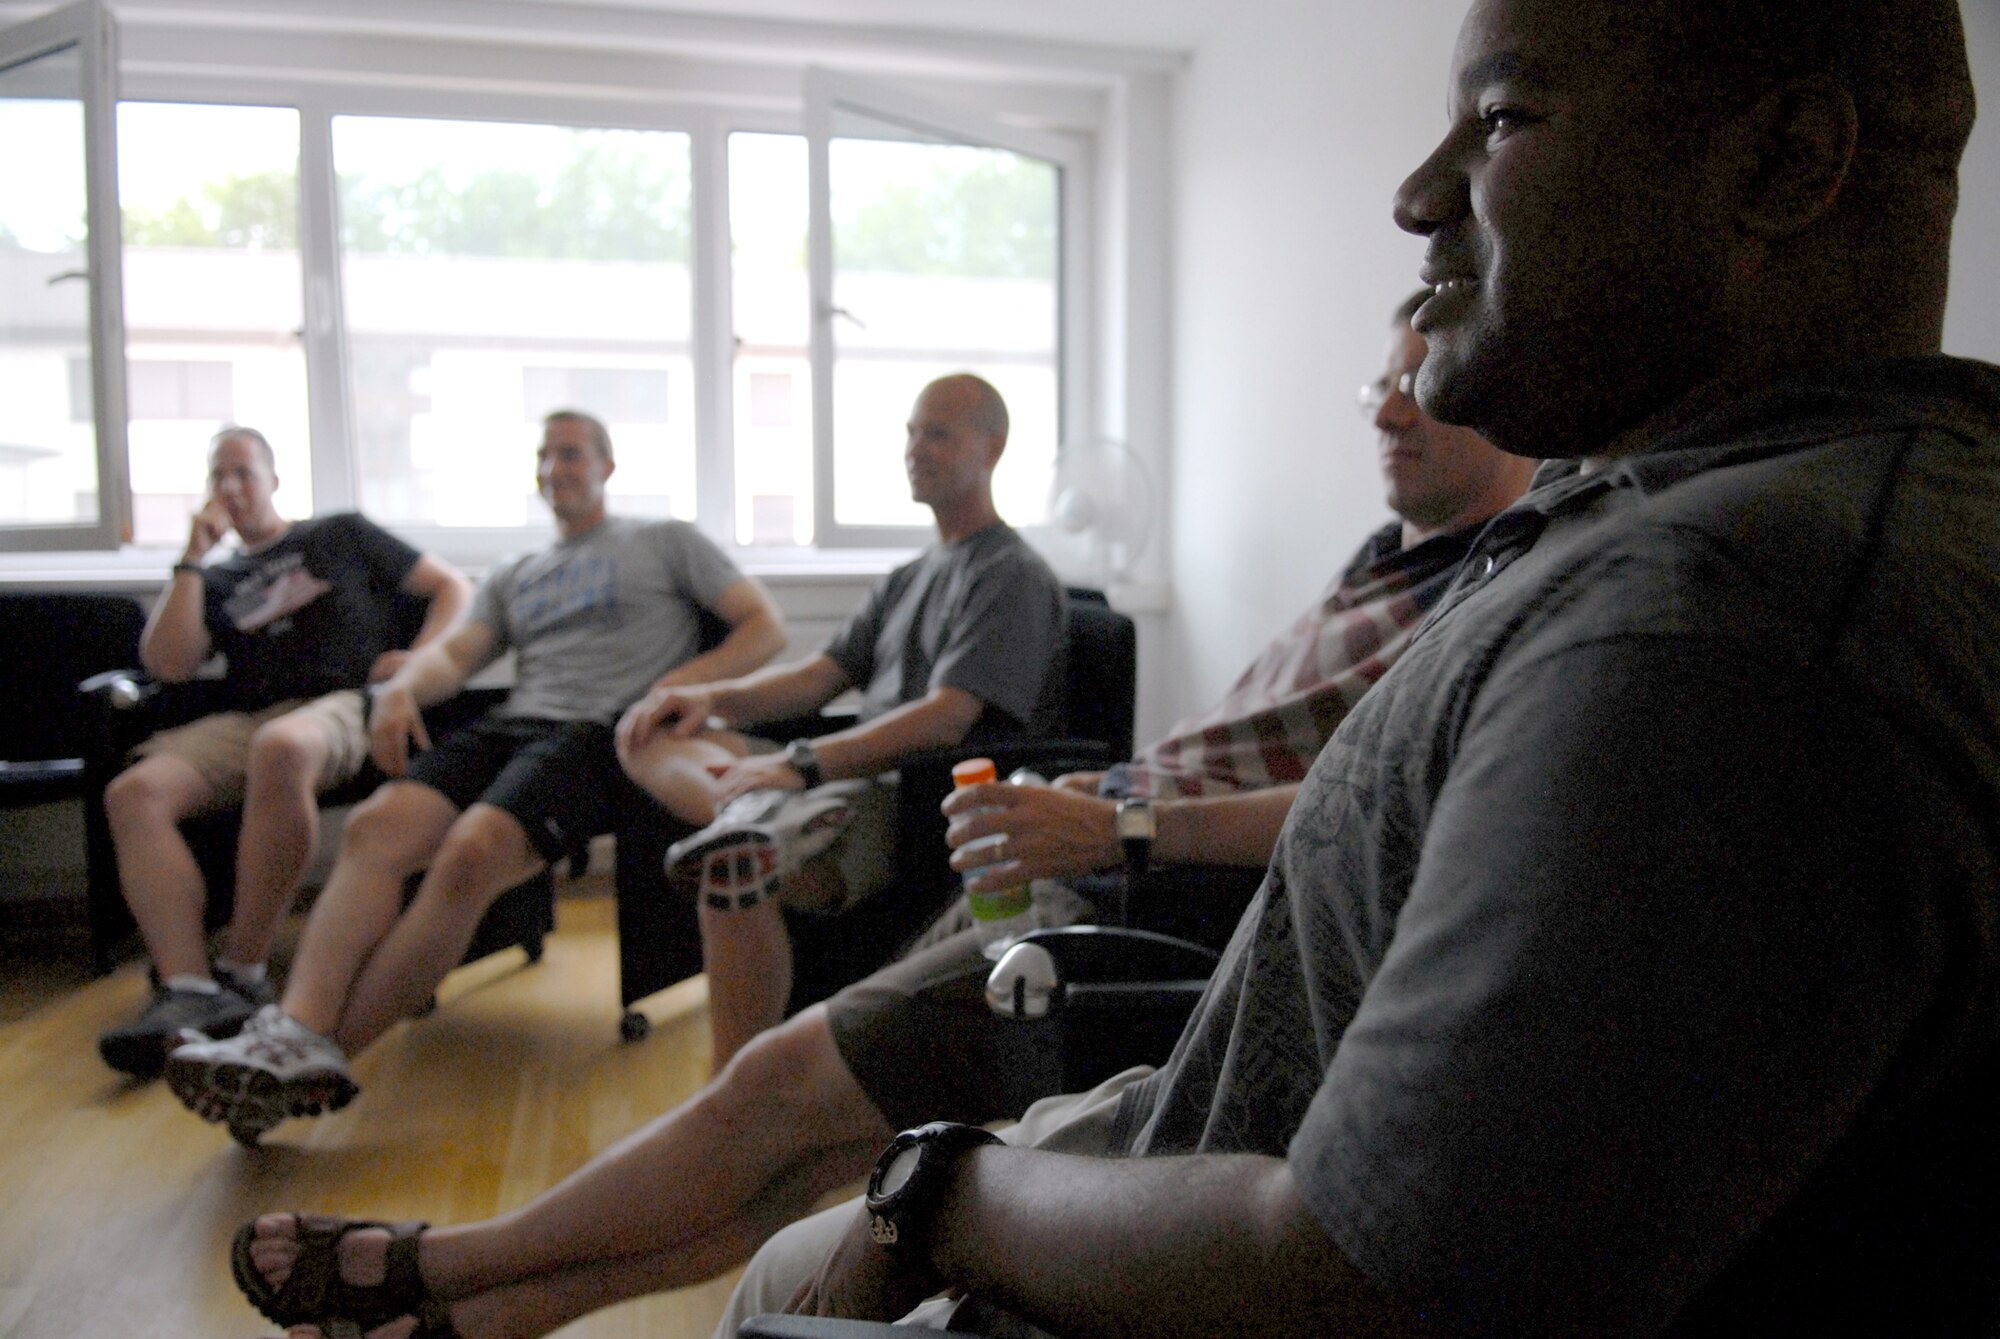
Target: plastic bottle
x,y
1004,913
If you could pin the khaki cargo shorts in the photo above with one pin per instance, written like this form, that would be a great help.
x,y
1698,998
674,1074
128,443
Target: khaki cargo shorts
x,y
218,746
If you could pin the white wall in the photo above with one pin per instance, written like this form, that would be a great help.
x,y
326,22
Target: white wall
x,y
1296,123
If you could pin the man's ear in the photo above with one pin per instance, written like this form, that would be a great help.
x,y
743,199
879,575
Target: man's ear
x,y
1801,141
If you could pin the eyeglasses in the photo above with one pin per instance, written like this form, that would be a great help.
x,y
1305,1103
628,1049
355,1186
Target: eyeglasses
x,y
1376,393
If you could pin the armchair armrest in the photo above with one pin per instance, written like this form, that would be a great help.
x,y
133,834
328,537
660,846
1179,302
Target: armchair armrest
x,y
1114,997
1097,967
825,1327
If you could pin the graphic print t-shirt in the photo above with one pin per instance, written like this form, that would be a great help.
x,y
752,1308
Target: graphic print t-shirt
x,y
310,613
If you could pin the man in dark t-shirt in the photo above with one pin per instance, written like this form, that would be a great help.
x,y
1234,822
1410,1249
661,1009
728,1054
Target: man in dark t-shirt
x,y
963,644
303,612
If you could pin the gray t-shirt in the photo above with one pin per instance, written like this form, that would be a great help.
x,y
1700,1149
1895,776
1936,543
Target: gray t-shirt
x,y
593,621
1630,961
984,615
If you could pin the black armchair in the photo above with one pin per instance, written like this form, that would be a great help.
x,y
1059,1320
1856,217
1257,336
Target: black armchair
x,y
659,941
53,642
123,706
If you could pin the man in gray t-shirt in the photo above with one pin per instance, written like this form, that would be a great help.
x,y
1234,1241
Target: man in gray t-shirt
x,y
962,644
612,610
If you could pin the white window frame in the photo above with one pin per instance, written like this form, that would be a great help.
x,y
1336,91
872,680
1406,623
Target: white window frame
x,y
708,76
824,91
88,26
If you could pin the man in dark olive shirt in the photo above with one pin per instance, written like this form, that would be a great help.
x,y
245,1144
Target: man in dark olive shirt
x,y
1630,962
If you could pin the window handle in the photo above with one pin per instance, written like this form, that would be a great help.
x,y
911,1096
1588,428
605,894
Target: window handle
x,y
55,279
827,313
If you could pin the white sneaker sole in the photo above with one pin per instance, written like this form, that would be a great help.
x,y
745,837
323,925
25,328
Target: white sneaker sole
x,y
251,1100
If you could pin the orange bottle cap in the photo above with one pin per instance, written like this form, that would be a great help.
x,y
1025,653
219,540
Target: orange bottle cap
x,y
973,772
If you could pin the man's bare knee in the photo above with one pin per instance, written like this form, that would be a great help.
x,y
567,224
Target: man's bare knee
x,y
485,851
149,792
798,1069
398,826
286,753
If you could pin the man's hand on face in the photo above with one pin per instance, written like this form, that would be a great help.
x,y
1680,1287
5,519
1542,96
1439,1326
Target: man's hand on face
x,y
394,723
1050,833
764,771
860,1280
683,712
206,529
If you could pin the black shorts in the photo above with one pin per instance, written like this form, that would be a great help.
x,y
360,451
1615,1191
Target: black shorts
x,y
556,778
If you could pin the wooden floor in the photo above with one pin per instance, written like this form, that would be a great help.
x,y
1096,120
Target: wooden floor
x,y
116,1205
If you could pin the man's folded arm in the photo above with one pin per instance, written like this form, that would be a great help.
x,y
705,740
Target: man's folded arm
x,y
1194,1246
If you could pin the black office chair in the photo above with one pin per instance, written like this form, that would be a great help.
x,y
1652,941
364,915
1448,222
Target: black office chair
x,y
659,941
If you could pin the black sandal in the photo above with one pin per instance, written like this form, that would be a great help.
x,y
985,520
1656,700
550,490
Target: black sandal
x,y
315,1294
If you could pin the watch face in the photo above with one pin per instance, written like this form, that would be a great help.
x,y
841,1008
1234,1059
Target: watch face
x,y
1135,821
897,1173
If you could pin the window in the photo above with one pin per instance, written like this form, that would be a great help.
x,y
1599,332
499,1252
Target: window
x,y
61,474
213,294
940,242
772,340
493,271
393,254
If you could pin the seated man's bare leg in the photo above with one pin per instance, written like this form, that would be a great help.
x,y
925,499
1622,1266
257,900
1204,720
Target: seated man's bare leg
x,y
747,955
287,768
484,853
388,837
157,872
681,1200
680,773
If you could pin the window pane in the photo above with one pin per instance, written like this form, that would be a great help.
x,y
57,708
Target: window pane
x,y
212,300
48,455
773,371
946,258
493,272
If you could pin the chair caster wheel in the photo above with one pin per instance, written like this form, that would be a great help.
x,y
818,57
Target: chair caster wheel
x,y
634,1026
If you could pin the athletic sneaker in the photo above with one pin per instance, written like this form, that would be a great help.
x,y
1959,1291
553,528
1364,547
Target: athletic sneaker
x,y
274,1068
758,838
140,1047
259,992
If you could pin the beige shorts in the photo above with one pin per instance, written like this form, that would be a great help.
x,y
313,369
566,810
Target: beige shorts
x,y
218,746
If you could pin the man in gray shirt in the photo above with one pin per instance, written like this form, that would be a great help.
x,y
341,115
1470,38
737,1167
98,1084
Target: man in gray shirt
x,y
963,644
608,613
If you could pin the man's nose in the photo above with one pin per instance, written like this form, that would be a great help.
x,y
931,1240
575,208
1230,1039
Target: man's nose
x,y
1396,413
1433,195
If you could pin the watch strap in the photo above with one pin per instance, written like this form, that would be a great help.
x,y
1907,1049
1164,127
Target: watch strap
x,y
803,758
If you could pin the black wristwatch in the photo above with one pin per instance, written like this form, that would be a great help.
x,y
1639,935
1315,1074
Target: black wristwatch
x,y
909,1180
803,758
1136,827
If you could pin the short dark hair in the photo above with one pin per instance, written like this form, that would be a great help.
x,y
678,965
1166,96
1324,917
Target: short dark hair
x,y
1903,62
250,434
600,436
